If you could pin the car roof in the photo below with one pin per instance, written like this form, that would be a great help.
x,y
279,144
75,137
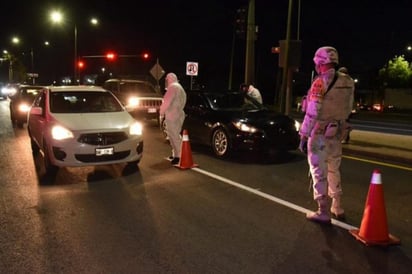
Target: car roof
x,y
126,80
214,92
31,86
80,88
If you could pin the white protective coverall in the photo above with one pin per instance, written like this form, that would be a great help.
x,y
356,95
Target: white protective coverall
x,y
255,94
172,107
323,125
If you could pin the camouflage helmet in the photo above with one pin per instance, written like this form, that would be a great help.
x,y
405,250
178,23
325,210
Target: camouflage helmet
x,y
326,55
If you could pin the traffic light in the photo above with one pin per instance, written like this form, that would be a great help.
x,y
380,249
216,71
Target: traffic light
x,y
276,50
145,56
111,56
241,22
80,64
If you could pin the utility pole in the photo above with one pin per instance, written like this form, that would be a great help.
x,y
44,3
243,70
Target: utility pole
x,y
287,71
232,57
32,66
250,44
11,76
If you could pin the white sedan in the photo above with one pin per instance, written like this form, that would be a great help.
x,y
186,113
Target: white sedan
x,y
82,126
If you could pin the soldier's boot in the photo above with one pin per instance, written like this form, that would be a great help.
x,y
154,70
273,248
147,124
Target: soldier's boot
x,y
322,214
336,209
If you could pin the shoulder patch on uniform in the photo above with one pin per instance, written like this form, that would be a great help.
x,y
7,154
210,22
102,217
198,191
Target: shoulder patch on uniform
x,y
317,90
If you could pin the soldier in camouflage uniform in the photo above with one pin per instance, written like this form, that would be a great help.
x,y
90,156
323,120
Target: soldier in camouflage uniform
x,y
328,105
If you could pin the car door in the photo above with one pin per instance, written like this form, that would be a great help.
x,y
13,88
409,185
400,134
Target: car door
x,y
37,120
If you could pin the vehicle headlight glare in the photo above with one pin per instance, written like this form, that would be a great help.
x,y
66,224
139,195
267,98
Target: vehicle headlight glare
x,y
24,108
136,129
245,127
61,133
133,102
297,125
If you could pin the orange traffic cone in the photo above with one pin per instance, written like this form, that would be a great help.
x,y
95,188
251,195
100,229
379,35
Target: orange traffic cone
x,y
374,227
186,160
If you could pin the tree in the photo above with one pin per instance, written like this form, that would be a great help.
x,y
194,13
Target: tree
x,y
397,73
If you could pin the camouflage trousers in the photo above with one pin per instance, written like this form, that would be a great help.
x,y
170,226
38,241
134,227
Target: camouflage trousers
x,y
324,159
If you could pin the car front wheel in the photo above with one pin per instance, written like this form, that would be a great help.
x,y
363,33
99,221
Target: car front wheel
x,y
220,143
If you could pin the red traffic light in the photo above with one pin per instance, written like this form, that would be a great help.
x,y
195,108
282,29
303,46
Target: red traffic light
x,y
80,64
146,55
275,49
111,56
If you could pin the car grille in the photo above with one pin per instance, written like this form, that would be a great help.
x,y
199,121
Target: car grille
x,y
102,139
92,158
150,103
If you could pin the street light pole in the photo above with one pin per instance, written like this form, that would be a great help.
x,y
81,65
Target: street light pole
x,y
75,55
57,17
11,76
32,65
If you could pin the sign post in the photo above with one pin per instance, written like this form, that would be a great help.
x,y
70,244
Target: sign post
x,y
33,76
192,69
157,72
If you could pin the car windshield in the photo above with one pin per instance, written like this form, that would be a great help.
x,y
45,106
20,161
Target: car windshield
x,y
231,101
128,87
83,102
30,93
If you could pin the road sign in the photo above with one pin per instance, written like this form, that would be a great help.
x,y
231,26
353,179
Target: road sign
x,y
157,71
192,68
33,75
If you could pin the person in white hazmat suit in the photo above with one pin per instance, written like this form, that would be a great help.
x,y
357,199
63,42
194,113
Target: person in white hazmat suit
x,y
255,94
251,93
171,110
328,105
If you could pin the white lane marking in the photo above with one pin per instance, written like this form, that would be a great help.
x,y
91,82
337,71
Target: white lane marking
x,y
269,197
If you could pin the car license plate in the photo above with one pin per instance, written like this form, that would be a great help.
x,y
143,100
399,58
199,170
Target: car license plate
x,y
104,151
151,110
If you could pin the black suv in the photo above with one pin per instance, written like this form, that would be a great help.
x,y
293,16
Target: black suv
x,y
21,101
139,97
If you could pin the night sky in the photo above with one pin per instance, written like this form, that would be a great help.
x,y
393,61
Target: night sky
x,y
366,34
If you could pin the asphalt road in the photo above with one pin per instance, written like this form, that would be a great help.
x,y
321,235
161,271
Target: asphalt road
x,y
226,216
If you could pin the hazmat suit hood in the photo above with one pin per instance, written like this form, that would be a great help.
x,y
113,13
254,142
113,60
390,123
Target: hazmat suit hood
x,y
171,78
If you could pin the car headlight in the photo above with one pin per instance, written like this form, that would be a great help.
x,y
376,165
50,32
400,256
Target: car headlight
x,y
133,102
136,129
23,107
61,133
297,125
245,127
8,91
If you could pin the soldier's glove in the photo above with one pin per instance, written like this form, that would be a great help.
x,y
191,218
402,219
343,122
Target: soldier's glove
x,y
303,145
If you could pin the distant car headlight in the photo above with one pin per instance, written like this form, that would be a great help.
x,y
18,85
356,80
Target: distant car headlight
x,y
136,129
8,91
61,133
245,127
297,125
23,107
133,102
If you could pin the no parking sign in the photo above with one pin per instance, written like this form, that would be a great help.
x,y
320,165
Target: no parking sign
x,y
192,68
